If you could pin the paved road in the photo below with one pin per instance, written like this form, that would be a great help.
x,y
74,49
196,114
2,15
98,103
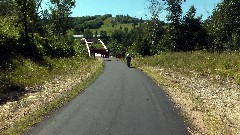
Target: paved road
x,y
122,101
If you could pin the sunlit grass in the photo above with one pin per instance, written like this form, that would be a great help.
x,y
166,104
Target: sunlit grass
x,y
31,74
225,65
109,28
205,86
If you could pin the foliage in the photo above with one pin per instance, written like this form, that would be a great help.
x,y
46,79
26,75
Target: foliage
x,y
155,9
118,35
61,10
127,19
8,28
7,7
193,33
97,45
23,72
88,34
69,37
117,49
88,22
110,24
104,37
29,41
223,26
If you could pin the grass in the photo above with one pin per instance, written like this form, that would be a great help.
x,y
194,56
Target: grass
x,y
35,117
204,86
27,73
107,26
17,83
225,65
31,74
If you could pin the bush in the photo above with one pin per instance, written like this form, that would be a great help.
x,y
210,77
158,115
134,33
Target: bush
x,y
59,49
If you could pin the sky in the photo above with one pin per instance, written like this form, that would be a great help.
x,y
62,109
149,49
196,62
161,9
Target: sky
x,y
136,8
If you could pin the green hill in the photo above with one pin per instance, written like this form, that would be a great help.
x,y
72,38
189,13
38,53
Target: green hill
x,y
109,25
106,23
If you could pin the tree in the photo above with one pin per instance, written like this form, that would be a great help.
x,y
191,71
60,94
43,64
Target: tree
x,y
116,48
118,35
174,16
140,38
104,37
88,34
224,24
194,36
155,8
61,10
7,7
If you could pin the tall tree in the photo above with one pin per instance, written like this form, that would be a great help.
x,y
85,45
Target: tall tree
x,y
225,24
194,35
61,11
27,17
155,8
174,16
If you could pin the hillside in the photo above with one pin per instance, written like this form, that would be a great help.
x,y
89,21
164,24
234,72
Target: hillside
x,y
109,26
106,23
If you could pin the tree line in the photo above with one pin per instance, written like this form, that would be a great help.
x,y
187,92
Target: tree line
x,y
30,31
181,32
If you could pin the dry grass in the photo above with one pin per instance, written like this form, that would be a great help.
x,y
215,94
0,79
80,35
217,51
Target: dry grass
x,y
209,101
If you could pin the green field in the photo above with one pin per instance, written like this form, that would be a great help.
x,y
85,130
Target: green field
x,y
109,27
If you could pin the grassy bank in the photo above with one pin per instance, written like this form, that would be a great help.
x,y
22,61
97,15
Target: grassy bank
x,y
204,86
224,65
45,90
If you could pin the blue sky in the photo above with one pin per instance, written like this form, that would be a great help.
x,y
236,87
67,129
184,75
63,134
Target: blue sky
x,y
135,8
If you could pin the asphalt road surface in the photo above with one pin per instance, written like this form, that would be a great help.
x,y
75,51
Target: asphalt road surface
x,y
122,101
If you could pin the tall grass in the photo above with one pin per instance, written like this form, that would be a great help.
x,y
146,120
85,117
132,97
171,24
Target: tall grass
x,y
30,74
225,65
24,72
